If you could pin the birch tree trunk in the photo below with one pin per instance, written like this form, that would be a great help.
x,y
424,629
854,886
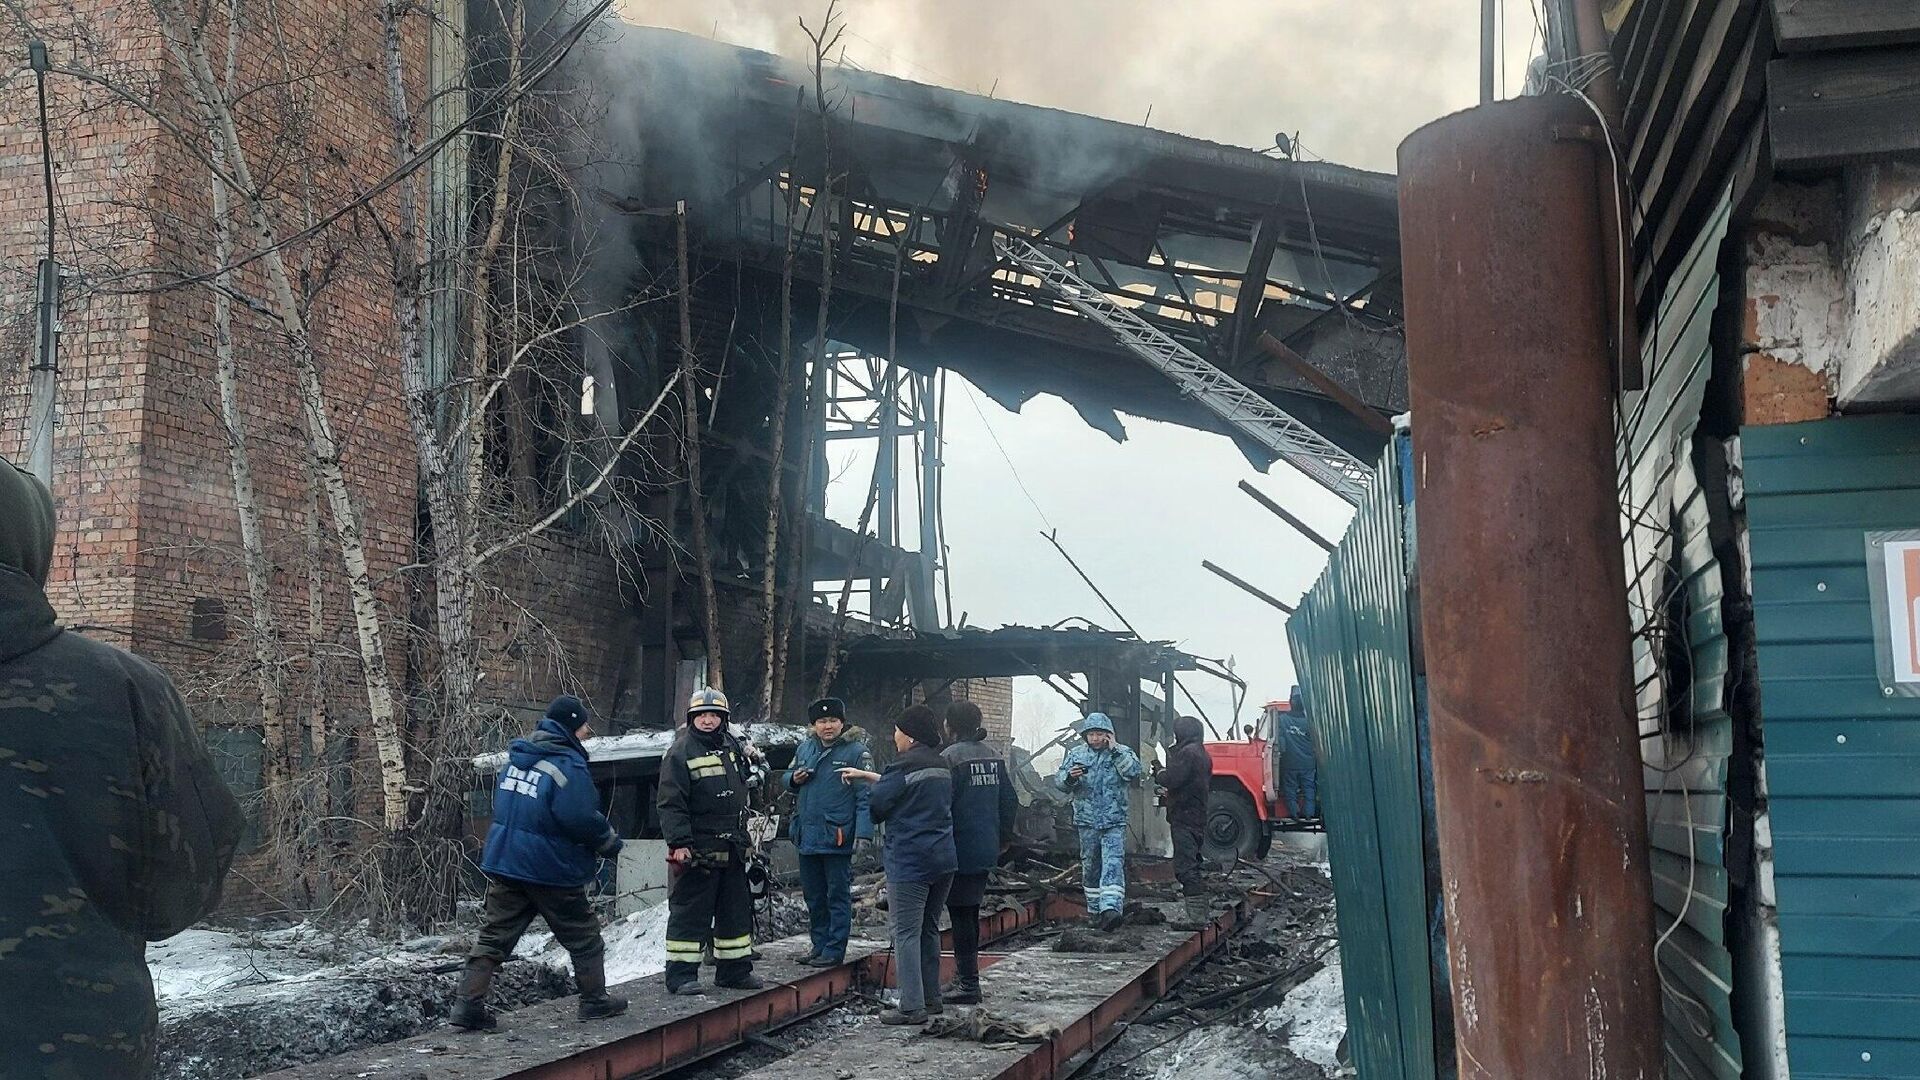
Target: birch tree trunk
x,y
264,632
453,502
697,503
776,478
191,57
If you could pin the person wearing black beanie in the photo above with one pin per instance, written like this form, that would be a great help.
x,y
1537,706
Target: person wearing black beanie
x,y
914,800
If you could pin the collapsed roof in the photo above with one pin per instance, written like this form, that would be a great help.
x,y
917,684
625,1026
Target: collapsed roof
x,y
1214,244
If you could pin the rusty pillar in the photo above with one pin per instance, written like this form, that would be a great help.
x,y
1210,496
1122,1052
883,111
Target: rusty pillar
x,y
1542,821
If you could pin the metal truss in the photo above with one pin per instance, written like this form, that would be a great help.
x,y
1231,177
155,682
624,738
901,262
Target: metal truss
x,y
1228,398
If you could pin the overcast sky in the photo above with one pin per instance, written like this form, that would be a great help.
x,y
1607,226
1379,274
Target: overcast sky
x,y
1352,80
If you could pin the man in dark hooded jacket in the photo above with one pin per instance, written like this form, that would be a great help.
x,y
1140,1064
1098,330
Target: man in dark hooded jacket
x,y
543,850
119,829
1187,779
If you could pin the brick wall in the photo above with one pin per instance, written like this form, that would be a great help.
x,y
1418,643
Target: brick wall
x,y
995,698
147,525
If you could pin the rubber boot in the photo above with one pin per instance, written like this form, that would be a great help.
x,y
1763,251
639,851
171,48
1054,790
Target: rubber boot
x,y
595,1002
470,1012
1197,912
748,981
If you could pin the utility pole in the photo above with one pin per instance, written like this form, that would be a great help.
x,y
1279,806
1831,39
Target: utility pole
x,y
1489,37
46,323
1536,762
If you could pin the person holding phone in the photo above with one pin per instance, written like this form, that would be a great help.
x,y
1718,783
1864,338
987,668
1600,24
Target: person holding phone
x,y
829,820
1098,774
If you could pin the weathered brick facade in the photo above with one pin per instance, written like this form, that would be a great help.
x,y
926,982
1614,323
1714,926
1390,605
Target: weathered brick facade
x,y
148,532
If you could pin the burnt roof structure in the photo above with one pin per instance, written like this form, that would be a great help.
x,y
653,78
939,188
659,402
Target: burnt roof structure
x,y
1214,244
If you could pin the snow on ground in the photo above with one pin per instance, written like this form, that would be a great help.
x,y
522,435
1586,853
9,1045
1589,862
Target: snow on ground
x,y
206,968
636,946
1314,1015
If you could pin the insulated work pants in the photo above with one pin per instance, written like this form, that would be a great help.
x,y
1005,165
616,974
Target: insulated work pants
x,y
1103,867
708,903
511,907
1187,842
963,910
915,906
1300,788
827,883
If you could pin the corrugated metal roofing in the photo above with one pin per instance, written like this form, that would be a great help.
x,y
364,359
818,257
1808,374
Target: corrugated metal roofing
x,y
1350,646
1843,758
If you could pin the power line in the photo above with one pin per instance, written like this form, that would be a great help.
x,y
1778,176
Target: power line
x,y
1011,467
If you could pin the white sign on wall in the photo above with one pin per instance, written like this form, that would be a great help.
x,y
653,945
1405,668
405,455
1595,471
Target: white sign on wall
x,y
1893,573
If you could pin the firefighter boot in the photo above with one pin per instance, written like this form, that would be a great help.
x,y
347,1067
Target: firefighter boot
x,y
470,1012
595,1002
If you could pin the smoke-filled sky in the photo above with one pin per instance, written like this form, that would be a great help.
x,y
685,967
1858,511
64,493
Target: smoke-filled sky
x,y
1350,79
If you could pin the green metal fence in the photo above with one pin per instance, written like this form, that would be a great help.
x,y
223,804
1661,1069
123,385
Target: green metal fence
x,y
1351,648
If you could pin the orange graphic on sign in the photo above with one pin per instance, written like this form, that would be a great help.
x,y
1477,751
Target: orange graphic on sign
x,y
1910,608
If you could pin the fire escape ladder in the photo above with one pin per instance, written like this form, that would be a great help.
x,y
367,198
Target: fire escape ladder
x,y
1228,398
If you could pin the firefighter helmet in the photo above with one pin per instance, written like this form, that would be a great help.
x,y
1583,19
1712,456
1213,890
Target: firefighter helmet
x,y
706,700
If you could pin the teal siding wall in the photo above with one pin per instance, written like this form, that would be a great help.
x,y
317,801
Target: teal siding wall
x,y
1843,759
1350,647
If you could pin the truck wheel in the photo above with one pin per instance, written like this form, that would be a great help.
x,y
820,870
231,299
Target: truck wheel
x,y
1234,831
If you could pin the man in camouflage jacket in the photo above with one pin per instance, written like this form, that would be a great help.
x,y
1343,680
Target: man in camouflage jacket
x,y
118,830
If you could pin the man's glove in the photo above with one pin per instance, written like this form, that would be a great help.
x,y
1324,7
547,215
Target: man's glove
x,y
801,776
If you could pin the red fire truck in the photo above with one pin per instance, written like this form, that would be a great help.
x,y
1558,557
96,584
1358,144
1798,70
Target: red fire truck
x,y
1245,808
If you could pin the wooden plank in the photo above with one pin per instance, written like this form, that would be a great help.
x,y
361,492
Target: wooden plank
x,y
1828,109
1815,25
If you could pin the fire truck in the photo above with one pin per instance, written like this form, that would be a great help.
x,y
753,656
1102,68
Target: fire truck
x,y
1246,807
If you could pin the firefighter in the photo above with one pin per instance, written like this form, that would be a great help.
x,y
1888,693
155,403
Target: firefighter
x,y
703,818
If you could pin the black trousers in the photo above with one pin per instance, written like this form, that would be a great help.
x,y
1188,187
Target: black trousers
x,y
511,907
963,909
708,904
1187,840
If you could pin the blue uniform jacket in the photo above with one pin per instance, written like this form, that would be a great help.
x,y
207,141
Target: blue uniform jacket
x,y
984,805
1100,798
914,799
828,816
1296,738
547,825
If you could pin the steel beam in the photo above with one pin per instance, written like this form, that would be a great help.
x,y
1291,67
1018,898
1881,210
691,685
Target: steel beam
x,y
1542,822
660,1033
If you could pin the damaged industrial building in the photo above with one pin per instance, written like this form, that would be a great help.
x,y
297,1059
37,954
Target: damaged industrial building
x,y
442,432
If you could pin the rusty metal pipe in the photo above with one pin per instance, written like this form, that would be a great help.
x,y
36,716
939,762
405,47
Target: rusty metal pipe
x,y
1542,819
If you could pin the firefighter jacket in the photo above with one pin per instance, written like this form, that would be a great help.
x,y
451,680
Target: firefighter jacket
x,y
547,826
704,792
1100,798
828,816
984,804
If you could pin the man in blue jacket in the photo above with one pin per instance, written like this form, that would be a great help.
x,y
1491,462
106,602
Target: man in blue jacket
x,y
828,817
543,849
984,806
1098,774
1299,768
